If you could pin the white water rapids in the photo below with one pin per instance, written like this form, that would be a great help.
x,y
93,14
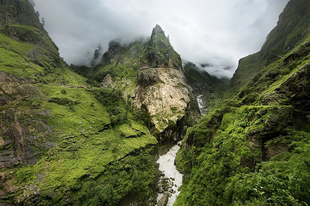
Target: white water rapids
x,y
166,165
200,104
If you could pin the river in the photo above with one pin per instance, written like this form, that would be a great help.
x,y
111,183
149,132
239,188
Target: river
x,y
171,178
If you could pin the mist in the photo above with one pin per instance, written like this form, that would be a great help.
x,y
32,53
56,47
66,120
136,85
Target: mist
x,y
201,31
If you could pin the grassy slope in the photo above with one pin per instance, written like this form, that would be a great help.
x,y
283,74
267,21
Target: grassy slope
x,y
91,131
255,150
121,62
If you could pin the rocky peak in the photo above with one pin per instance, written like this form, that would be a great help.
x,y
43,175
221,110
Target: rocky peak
x,y
162,88
18,12
157,30
160,53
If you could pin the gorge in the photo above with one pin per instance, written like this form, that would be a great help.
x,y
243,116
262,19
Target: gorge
x,y
90,135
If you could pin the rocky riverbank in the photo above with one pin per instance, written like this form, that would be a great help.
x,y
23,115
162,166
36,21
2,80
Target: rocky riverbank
x,y
170,178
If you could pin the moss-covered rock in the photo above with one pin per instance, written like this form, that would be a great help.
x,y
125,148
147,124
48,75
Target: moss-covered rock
x,y
160,53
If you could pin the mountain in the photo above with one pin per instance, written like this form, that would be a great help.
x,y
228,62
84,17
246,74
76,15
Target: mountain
x,y
74,135
209,89
162,88
64,141
149,73
254,150
291,30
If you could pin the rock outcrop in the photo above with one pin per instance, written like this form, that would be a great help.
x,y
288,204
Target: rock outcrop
x,y
164,92
162,88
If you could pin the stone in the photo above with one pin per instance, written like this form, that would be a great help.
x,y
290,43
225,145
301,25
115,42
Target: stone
x,y
107,80
154,91
164,200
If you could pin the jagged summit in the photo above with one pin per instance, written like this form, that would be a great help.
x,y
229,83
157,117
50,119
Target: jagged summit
x,y
157,30
160,52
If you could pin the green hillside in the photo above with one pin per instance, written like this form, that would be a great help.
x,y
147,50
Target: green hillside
x,y
291,30
63,141
255,149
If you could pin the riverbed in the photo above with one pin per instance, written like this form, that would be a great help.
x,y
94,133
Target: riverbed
x,y
169,174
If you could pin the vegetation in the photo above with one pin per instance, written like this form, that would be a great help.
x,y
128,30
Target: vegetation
x,y
160,53
211,88
63,141
255,149
292,29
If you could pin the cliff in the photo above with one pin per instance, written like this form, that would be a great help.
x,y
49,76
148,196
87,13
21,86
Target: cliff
x,y
291,30
162,88
255,149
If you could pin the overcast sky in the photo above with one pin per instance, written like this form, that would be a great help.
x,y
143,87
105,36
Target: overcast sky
x,y
202,31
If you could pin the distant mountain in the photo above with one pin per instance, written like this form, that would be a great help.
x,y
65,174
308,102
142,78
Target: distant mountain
x,y
210,88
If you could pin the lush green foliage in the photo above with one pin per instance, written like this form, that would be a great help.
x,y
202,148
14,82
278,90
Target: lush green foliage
x,y
291,30
90,134
255,150
71,143
133,175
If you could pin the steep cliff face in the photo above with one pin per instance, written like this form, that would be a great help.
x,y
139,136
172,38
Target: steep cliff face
x,y
292,29
164,93
18,12
162,89
255,149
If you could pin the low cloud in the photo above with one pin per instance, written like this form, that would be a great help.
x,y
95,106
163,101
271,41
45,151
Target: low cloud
x,y
201,31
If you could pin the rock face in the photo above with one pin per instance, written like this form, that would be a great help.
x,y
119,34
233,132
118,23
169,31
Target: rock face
x,y
162,89
107,81
164,92
21,129
18,12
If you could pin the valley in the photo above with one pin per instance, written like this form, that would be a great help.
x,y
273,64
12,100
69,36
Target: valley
x,y
139,126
